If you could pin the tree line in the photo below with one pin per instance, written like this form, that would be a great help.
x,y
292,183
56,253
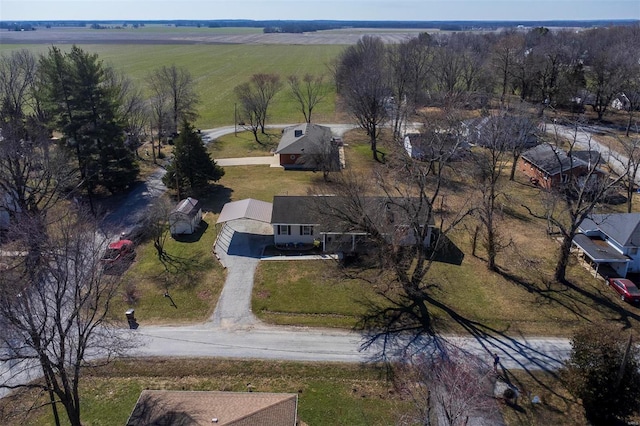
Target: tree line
x,y
564,70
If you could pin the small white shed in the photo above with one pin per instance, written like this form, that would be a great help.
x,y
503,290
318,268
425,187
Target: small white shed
x,y
186,217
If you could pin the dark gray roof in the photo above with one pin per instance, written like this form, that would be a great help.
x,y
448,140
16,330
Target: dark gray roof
x,y
311,139
623,228
549,159
588,157
308,210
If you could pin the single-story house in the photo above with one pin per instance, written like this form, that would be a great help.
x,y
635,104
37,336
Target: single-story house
x,y
548,166
166,407
517,130
419,146
611,240
305,145
303,220
185,217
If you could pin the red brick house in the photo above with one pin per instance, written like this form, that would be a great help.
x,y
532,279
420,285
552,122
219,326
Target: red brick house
x,y
304,141
548,166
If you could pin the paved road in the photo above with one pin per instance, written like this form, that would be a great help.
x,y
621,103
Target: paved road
x,y
234,332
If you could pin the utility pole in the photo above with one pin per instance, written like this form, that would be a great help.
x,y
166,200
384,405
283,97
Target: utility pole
x,y
235,119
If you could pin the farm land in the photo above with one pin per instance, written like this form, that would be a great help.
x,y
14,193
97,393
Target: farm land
x,y
521,300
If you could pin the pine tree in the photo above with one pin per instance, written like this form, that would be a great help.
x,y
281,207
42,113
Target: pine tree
x,y
192,167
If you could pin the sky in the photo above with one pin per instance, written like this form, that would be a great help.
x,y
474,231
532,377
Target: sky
x,y
402,10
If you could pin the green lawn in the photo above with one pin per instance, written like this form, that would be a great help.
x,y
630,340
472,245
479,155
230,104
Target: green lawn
x,y
217,69
329,393
193,278
243,144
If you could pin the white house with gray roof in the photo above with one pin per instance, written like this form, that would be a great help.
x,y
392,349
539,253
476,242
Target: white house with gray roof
x,y
611,240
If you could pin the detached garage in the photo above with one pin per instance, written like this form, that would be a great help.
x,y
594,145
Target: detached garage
x,y
186,217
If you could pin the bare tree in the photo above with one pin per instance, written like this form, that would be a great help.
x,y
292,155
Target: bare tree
x,y
133,109
504,59
362,82
33,174
490,165
156,225
409,66
176,85
452,387
57,314
395,211
308,93
255,97
608,62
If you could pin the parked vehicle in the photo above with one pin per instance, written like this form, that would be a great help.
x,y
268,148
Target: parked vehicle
x,y
117,252
627,290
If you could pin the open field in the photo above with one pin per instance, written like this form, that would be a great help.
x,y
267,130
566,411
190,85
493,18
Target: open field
x,y
158,34
217,69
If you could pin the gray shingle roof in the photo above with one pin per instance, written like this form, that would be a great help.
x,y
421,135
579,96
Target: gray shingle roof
x,y
549,159
310,139
306,210
623,228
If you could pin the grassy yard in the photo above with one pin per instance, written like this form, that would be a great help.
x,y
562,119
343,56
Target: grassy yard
x,y
522,299
329,394
244,144
192,277
217,69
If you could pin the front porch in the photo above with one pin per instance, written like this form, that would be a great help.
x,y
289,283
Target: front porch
x,y
604,259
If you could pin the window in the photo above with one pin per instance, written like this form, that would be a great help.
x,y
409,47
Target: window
x,y
284,229
306,230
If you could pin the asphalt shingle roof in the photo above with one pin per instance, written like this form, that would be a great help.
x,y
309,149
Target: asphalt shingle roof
x,y
310,140
623,228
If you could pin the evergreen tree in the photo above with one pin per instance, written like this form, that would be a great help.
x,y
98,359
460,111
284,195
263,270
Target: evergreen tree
x,y
84,104
192,167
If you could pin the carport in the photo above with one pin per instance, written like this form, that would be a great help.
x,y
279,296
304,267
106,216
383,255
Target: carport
x,y
249,217
246,209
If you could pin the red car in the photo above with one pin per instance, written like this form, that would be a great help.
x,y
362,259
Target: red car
x,y
627,290
118,251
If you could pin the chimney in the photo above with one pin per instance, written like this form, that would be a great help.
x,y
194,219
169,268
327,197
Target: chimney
x,y
297,133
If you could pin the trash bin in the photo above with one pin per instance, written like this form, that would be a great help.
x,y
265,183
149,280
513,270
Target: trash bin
x,y
130,315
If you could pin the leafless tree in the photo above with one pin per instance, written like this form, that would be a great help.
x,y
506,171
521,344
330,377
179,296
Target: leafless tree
x,y
362,82
409,67
396,208
308,92
608,62
133,109
176,85
33,174
452,387
567,204
156,225
490,164
159,117
503,58
255,97
57,314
